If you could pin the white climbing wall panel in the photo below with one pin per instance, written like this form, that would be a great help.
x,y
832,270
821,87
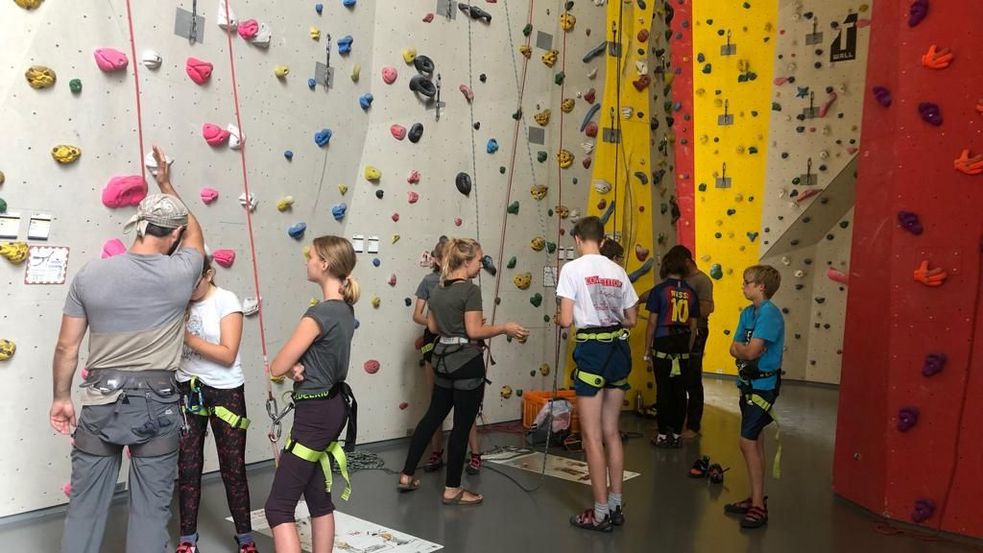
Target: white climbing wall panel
x,y
279,115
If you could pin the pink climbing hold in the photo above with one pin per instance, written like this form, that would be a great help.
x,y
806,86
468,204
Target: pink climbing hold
x,y
208,195
414,177
590,95
67,489
458,221
112,247
779,81
214,135
403,405
109,59
392,279
225,258
412,197
124,191
389,74
807,194
837,275
468,93
248,29
428,18
395,217
371,366
398,132
824,109
591,129
199,70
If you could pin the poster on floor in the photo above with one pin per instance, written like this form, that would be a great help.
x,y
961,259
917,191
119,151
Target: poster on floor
x,y
352,534
557,467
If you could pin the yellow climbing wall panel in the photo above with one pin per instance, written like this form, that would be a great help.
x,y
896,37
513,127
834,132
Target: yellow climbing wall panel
x,y
733,59
626,165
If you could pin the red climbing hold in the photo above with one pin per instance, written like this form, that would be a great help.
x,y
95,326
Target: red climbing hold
x,y
930,277
371,366
969,165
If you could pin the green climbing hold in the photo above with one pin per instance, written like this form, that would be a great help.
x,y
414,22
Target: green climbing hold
x,y
701,58
513,208
796,180
752,150
549,212
501,169
558,79
716,271
702,187
517,115
717,235
541,156
536,299
752,236
546,319
75,85
551,247
3,205
731,211
642,177
569,5
518,392
747,5
775,106
707,68
511,263
662,238
663,208
527,30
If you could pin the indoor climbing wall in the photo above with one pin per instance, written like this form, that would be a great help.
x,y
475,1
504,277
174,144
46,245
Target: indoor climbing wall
x,y
388,123
911,393
817,101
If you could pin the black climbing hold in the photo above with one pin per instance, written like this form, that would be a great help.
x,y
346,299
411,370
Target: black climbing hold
x,y
379,193
421,84
408,302
488,264
844,224
416,131
642,177
423,64
482,77
477,125
463,183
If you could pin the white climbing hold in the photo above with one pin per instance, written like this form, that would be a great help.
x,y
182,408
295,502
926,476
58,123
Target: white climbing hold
x,y
151,59
225,17
235,137
249,204
151,163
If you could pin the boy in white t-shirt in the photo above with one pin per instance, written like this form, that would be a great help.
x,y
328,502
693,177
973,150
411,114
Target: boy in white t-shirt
x,y
596,295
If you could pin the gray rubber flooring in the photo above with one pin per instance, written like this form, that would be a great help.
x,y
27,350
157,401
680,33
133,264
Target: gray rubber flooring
x,y
665,511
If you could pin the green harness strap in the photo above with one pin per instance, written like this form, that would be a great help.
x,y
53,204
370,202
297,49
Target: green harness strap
x,y
312,456
602,336
223,413
427,348
596,380
677,369
776,465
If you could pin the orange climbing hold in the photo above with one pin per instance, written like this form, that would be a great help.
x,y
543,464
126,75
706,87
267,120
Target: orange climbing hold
x,y
937,58
930,277
979,106
969,165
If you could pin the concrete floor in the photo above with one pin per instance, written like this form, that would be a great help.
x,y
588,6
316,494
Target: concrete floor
x,y
665,511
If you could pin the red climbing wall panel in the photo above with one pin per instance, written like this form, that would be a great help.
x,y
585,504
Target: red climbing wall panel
x,y
893,322
682,96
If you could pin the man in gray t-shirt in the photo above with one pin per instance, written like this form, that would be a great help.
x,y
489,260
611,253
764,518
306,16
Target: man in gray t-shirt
x,y
132,306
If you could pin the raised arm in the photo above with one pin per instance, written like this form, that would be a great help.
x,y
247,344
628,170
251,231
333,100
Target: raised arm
x,y
193,235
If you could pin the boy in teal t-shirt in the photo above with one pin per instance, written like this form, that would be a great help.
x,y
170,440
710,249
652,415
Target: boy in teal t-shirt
x,y
757,348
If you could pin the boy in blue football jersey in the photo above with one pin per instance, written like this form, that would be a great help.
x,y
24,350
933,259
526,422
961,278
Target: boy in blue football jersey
x,y
757,348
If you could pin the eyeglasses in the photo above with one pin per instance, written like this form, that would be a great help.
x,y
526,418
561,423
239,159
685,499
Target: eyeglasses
x,y
746,282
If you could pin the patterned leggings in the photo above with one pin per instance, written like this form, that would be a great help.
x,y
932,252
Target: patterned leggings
x,y
231,445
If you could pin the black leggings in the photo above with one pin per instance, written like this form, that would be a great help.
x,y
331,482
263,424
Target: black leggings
x,y
317,423
466,404
694,382
231,446
670,396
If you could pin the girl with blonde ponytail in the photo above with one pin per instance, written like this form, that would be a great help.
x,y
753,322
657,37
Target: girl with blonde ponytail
x,y
316,358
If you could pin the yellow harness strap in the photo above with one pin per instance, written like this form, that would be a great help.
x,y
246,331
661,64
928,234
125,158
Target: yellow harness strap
x,y
776,466
335,451
677,369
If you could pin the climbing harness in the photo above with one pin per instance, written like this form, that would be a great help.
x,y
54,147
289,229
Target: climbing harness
x,y
604,335
676,369
747,373
196,403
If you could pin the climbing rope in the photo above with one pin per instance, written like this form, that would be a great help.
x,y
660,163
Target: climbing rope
x,y
136,83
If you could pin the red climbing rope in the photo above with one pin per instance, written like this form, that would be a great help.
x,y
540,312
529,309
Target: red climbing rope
x,y
136,81
249,228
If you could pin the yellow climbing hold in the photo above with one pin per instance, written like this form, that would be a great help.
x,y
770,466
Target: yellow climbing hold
x,y
567,21
525,50
537,243
7,349
544,369
376,302
39,76
315,33
409,54
356,71
549,58
285,203
307,252
565,158
567,105
66,153
506,392
281,71
343,189
15,252
28,4
3,177
522,280
562,211
314,301
542,118
395,238
372,174
538,191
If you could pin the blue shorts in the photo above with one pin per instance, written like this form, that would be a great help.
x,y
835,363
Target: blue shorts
x,y
610,360
754,419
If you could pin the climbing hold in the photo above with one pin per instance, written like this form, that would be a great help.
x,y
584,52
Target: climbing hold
x,y
525,50
288,154
285,203
522,280
544,369
39,76
934,363
198,70
538,191
398,132
716,271
413,177
415,133
110,60
235,137
371,366
311,83
567,21
356,72
376,262
923,510
882,95
315,33
591,129
345,45
75,85
338,211
65,153
323,137
458,221
319,8
937,58
542,118
969,165
565,158
590,95
837,276
549,57
513,208
536,299
389,74
409,54
412,197
602,186
907,418
348,3
594,52
567,105
112,247
224,258
296,230
550,247
930,113
249,202
505,392
208,195
641,253
917,12
151,59
642,82
248,29
463,183
372,174
467,92
124,191
537,243
488,264
380,193
281,71
365,101
28,5
423,64
394,217
421,84
930,277
263,37
642,177
559,77
214,135
474,12
7,349
909,221
512,262
15,252
492,146
342,189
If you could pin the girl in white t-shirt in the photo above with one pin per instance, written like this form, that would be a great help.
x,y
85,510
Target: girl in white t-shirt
x,y
212,383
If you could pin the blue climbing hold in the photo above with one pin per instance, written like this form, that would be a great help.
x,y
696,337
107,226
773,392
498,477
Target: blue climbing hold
x,y
322,137
376,261
319,8
345,44
311,83
357,324
365,100
296,230
348,3
492,146
288,154
338,211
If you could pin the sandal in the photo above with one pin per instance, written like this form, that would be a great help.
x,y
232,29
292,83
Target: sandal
x,y
716,473
755,517
474,464
435,462
587,521
458,498
741,507
700,467
413,484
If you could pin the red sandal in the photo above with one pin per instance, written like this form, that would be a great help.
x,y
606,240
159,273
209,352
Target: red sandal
x,y
755,517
